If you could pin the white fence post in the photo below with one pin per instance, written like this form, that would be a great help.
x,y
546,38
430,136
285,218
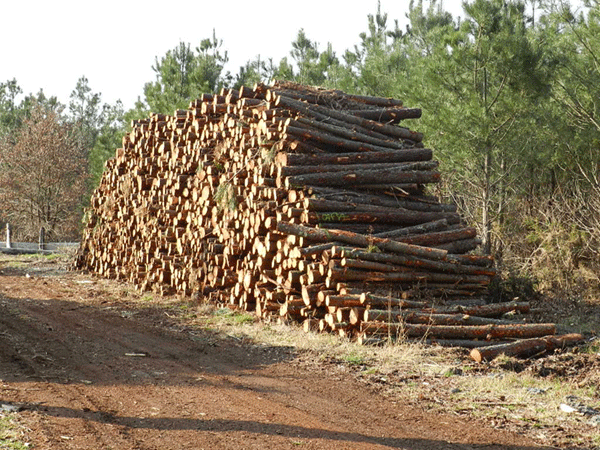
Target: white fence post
x,y
7,235
42,241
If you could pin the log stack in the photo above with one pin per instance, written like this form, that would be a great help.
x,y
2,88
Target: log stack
x,y
300,204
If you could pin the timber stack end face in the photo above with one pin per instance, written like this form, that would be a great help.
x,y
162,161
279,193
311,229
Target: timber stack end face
x,y
300,204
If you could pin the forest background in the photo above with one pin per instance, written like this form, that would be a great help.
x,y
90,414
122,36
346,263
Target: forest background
x,y
511,106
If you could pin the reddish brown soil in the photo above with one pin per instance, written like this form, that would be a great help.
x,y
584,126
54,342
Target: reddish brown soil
x,y
89,373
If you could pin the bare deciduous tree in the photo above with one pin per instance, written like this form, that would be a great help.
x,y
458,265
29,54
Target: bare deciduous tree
x,y
43,175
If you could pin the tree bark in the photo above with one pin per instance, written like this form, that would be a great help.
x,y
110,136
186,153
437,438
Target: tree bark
x,y
285,171
389,130
388,156
491,310
327,97
340,274
360,240
398,217
526,347
418,317
344,132
387,115
425,204
482,332
372,300
412,262
332,139
460,247
362,178
427,227
438,238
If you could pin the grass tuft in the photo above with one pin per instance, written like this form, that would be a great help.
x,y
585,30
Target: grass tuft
x,y
11,434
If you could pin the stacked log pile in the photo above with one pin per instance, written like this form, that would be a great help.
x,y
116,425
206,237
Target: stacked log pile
x,y
299,204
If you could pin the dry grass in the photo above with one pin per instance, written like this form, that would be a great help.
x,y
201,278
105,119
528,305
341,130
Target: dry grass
x,y
522,396
503,393
11,433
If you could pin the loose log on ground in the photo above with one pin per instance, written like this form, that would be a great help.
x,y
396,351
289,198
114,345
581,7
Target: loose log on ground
x,y
526,347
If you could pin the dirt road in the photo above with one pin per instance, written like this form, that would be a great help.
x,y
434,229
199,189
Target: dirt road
x,y
88,373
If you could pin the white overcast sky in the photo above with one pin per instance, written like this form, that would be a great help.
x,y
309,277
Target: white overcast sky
x,y
49,45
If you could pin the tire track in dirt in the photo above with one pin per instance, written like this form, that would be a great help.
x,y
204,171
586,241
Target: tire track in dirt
x,y
76,368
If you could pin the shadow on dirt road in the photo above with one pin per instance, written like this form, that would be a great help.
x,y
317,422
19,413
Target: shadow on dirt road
x,y
88,374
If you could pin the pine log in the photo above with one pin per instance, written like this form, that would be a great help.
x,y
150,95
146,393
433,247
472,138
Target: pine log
x,y
476,260
335,141
355,315
362,178
412,261
368,265
426,227
526,347
464,343
392,201
343,300
438,238
310,293
389,130
285,171
345,132
312,250
385,157
461,246
326,97
484,332
390,115
355,227
360,240
360,196
491,310
449,319
322,114
326,205
336,274
373,300
381,216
